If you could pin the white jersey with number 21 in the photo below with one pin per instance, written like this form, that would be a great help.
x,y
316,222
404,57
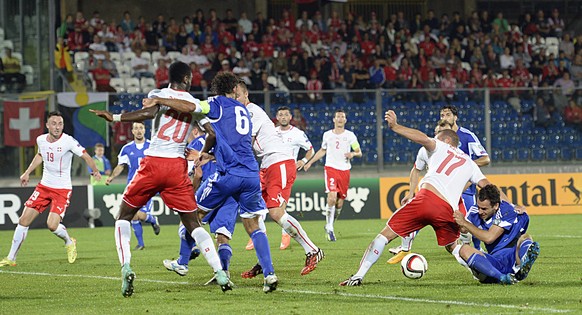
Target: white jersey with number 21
x,y
170,127
449,169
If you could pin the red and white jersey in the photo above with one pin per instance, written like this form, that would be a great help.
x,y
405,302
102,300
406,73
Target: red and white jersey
x,y
296,138
56,158
449,169
337,145
170,128
421,162
269,144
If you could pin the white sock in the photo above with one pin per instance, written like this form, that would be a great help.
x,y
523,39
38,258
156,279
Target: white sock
x,y
458,257
283,232
122,239
262,223
17,240
295,230
466,238
206,246
338,211
407,241
330,215
62,233
371,255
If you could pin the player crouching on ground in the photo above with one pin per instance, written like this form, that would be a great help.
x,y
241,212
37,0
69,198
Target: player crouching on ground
x,y
496,223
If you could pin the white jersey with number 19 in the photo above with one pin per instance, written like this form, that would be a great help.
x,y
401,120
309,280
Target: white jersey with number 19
x,y
170,127
56,158
449,170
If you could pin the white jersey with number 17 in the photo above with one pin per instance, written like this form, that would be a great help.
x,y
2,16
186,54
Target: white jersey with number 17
x,y
170,127
449,170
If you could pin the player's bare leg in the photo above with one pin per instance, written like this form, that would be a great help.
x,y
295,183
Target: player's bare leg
x,y
371,256
204,242
54,225
25,220
263,252
122,241
313,253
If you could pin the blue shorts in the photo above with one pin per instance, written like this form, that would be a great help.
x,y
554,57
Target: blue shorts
x,y
147,208
246,191
223,219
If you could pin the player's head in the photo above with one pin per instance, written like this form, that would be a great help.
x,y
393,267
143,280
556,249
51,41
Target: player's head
x,y
448,136
450,113
225,84
488,201
339,118
197,130
55,124
441,125
242,92
284,116
138,130
99,149
180,75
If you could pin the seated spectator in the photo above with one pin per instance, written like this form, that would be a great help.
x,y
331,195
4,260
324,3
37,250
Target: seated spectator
x,y
164,56
243,72
556,23
162,74
377,76
13,79
573,114
542,113
506,60
99,49
434,92
566,84
314,87
196,83
448,85
141,66
298,120
102,78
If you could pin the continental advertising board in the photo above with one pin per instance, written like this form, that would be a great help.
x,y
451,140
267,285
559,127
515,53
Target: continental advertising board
x,y
557,193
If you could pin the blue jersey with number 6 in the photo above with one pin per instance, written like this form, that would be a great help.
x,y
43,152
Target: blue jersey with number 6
x,y
232,123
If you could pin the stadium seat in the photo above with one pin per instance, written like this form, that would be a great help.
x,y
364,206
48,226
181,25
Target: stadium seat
x,y
155,56
1,34
508,155
132,85
28,72
81,56
578,154
553,154
523,154
115,57
127,56
147,55
117,84
538,154
147,84
6,44
174,55
124,71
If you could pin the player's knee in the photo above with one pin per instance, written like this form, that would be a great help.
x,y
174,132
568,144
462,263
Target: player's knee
x,y
221,239
277,214
52,226
524,237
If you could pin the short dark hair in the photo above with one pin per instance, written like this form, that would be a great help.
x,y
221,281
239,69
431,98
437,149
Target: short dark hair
x,y
451,134
99,145
243,84
224,83
452,108
443,122
338,111
284,108
54,113
138,122
178,71
490,192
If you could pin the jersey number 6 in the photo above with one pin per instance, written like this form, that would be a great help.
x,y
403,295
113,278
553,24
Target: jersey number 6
x,y
242,120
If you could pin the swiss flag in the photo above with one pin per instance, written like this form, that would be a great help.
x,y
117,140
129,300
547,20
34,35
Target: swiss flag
x,y
23,122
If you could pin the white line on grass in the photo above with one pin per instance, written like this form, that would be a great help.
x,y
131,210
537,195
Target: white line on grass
x,y
561,236
369,296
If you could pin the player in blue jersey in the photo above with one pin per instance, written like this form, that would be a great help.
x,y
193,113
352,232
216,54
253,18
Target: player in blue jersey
x,y
237,169
221,222
510,251
470,145
130,155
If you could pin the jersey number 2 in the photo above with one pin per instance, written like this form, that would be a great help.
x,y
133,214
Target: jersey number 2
x,y
242,120
453,166
180,118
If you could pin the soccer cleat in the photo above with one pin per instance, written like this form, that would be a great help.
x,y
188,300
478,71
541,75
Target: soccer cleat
x,y
250,245
527,262
195,253
329,235
270,283
508,279
139,247
7,262
285,241
395,250
72,251
156,226
222,280
213,279
398,257
172,265
351,282
311,261
255,271
127,277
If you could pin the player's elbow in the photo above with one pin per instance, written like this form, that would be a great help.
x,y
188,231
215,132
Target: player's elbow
x,y
484,161
489,239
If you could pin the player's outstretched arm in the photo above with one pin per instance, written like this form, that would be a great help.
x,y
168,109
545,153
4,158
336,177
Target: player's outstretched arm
x,y
116,171
178,104
138,115
487,236
36,161
414,179
317,157
95,171
308,155
409,133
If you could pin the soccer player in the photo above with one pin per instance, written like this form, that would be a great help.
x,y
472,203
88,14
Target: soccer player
x,y
470,145
449,169
164,157
221,222
237,171
300,144
343,146
131,154
55,151
278,172
503,230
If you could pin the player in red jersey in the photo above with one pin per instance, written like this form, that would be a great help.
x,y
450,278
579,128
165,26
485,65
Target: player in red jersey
x,y
55,151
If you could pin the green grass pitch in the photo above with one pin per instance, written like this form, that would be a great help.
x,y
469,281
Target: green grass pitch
x,y
43,281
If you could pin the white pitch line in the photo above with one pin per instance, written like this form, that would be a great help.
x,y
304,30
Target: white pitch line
x,y
369,296
561,236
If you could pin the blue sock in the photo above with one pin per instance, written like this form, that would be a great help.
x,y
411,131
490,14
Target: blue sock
x,y
263,251
186,245
138,231
224,253
482,265
524,247
150,219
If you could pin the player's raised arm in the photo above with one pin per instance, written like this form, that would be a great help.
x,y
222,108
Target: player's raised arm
x,y
36,161
409,133
138,115
178,104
